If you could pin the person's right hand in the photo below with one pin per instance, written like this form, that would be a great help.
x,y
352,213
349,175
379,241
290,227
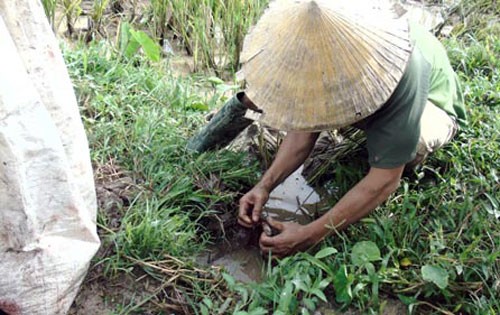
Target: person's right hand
x,y
251,206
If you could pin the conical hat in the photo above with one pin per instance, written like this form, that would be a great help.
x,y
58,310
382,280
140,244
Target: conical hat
x,y
317,65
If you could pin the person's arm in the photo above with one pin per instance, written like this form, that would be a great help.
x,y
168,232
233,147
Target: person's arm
x,y
371,191
294,150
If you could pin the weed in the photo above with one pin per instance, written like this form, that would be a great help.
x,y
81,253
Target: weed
x,y
50,10
72,10
98,9
211,30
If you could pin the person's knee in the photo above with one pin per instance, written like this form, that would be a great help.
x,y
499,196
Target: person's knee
x,y
437,128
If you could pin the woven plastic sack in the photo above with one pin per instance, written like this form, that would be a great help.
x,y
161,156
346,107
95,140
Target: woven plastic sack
x,y
47,196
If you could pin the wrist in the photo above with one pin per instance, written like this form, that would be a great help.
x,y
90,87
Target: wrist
x,y
265,185
315,232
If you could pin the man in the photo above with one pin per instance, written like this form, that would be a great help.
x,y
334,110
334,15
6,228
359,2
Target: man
x,y
419,114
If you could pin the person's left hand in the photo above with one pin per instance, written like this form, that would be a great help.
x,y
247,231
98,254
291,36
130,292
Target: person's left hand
x,y
292,238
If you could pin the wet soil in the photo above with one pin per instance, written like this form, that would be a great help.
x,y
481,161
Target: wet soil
x,y
99,295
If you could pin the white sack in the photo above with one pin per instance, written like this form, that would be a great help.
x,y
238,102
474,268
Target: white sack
x,y
47,196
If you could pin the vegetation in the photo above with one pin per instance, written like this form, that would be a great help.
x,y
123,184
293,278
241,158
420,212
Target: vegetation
x,y
435,245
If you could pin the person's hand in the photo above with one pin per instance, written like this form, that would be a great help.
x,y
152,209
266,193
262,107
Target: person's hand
x,y
292,238
251,206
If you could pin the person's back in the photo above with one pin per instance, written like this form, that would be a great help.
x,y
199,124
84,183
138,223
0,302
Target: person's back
x,y
422,113
444,89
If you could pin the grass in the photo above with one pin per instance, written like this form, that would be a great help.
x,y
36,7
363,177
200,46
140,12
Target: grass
x,y
98,9
139,117
435,245
212,30
50,10
72,10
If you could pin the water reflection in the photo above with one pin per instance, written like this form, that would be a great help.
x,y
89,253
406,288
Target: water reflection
x,y
292,200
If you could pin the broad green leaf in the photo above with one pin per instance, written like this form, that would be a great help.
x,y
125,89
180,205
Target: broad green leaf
x,y
360,286
342,285
231,282
436,275
324,283
124,37
325,252
204,310
364,252
150,47
407,300
318,263
225,305
132,47
199,106
370,270
319,294
457,308
309,303
492,207
215,80
208,302
299,284
286,297
375,289
243,292
258,311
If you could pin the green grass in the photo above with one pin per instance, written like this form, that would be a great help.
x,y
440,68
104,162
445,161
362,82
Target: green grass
x,y
211,30
138,116
435,245
49,7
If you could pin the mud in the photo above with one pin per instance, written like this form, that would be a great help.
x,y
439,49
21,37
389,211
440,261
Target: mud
x,y
103,296
389,307
115,189
293,200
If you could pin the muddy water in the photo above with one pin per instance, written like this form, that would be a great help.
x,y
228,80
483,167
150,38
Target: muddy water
x,y
293,200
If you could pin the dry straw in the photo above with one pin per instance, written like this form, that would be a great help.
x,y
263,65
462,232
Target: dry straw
x,y
317,65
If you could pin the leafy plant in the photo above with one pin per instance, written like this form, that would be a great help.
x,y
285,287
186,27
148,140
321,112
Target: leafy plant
x,y
72,11
131,41
212,31
98,9
50,10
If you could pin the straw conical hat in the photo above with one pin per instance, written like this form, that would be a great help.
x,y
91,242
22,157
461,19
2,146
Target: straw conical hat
x,y
316,65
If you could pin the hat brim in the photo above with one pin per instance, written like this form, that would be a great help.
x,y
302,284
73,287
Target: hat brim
x,y
318,65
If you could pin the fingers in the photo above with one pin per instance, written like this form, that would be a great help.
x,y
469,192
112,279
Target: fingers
x,y
266,241
244,223
257,210
283,244
275,224
243,217
251,207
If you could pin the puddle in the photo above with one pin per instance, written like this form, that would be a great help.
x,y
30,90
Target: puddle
x,y
293,200
244,264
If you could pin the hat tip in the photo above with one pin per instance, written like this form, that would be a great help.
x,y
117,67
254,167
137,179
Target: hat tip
x,y
313,6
